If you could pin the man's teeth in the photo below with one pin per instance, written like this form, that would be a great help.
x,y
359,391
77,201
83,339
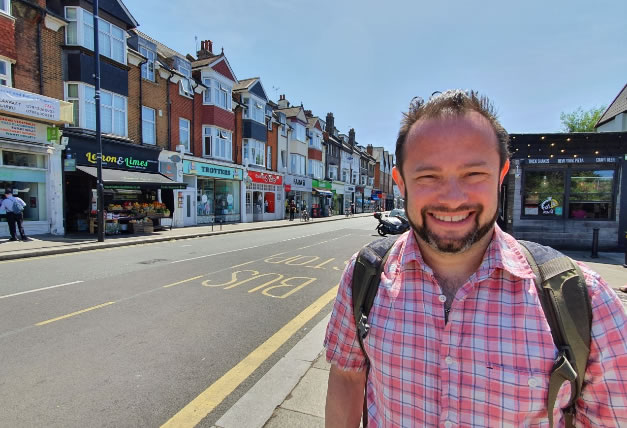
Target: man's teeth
x,y
451,219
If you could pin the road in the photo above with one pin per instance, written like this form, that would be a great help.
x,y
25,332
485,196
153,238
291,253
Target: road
x,y
131,336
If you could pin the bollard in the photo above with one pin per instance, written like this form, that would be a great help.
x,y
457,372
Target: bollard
x,y
595,243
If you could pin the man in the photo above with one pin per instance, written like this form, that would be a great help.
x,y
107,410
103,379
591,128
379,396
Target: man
x,y
14,218
457,334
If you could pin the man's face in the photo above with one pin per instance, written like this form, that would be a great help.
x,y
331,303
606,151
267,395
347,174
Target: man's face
x,y
451,181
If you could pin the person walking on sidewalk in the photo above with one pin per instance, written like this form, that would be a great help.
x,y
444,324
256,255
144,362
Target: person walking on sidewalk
x,y
457,333
14,207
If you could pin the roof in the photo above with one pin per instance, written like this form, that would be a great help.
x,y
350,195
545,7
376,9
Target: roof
x,y
618,106
244,84
162,49
290,111
312,121
207,61
118,9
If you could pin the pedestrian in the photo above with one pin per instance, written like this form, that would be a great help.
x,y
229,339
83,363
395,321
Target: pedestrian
x,y
457,336
14,207
352,208
292,209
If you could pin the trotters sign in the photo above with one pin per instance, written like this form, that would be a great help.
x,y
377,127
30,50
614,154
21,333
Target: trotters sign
x,y
265,178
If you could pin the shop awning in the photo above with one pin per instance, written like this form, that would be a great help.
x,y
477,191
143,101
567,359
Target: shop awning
x,y
323,191
119,179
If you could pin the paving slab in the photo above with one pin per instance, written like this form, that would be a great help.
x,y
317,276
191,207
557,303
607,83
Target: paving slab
x,y
310,394
286,418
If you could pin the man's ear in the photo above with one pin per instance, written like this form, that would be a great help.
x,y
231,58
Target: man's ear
x,y
398,179
504,172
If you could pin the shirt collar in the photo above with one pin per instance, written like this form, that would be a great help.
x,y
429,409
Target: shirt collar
x,y
503,252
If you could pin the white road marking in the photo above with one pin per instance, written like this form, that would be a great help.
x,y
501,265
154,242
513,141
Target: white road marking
x,y
40,289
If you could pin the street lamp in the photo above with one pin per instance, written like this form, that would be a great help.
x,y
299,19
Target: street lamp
x,y
100,185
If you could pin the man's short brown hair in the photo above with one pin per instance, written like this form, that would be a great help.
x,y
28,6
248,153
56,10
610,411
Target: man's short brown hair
x,y
454,102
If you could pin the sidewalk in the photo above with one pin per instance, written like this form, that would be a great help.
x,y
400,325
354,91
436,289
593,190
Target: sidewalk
x,y
293,392
44,245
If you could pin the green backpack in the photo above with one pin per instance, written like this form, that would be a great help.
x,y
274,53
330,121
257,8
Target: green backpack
x,y
563,294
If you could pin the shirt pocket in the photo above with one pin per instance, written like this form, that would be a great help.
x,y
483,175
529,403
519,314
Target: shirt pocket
x,y
516,397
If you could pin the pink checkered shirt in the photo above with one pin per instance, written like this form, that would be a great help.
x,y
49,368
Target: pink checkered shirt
x,y
489,365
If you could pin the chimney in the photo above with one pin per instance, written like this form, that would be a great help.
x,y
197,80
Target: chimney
x,y
330,123
308,113
283,103
351,137
369,149
206,49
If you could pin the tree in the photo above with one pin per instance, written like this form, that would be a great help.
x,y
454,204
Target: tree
x,y
580,120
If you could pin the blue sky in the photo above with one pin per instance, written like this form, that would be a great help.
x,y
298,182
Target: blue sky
x,y
365,60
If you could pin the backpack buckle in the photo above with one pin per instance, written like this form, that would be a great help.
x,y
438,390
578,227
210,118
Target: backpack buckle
x,y
363,327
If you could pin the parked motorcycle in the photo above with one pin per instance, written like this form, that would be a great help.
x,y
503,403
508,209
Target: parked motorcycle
x,y
391,225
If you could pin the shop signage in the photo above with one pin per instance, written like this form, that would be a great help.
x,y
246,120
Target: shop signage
x,y
288,188
168,169
321,184
23,103
115,156
209,170
265,178
23,130
298,183
541,161
338,188
69,165
349,189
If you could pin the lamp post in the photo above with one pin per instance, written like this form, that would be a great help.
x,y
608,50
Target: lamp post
x,y
100,185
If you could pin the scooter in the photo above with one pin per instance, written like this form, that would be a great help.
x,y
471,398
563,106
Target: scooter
x,y
391,225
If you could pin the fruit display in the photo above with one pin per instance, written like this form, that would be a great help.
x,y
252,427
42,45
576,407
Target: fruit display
x,y
141,209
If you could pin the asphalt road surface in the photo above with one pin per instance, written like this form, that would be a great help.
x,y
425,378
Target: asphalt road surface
x,y
169,333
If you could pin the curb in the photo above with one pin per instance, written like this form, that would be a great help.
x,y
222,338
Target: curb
x,y
75,248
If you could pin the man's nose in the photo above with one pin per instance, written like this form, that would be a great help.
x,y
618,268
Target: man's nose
x,y
452,193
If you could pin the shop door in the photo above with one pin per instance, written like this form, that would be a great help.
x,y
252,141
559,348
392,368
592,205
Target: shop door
x,y
189,207
249,205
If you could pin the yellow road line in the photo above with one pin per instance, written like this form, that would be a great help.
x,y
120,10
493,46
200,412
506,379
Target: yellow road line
x,y
210,398
74,313
184,281
247,263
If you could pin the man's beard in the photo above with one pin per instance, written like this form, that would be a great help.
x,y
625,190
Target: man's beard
x,y
448,245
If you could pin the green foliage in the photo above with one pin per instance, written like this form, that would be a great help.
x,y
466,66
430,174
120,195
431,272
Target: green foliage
x,y
580,120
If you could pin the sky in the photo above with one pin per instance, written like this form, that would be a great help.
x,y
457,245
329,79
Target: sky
x,y
365,60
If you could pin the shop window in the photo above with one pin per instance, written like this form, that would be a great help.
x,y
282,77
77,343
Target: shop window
x,y
28,160
5,72
544,193
33,193
148,125
591,194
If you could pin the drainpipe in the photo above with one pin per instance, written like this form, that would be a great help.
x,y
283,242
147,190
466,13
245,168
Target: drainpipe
x,y
39,53
167,96
193,133
141,103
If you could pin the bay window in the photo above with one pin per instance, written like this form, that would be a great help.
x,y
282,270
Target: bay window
x,y
254,152
113,109
217,143
254,109
315,141
316,169
297,164
80,32
217,93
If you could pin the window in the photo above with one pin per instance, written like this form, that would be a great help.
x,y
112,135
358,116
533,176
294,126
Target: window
x,y
217,93
254,110
333,172
206,141
113,109
544,193
80,31
269,123
148,126
5,73
299,132
222,145
297,164
184,133
185,84
345,175
316,169
283,159
148,69
5,6
591,194
283,124
254,152
316,140
269,160
207,95
28,160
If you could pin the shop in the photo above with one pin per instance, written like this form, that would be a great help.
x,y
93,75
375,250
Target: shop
x,y
297,189
264,196
349,197
30,158
218,191
338,197
359,199
136,196
322,198
559,201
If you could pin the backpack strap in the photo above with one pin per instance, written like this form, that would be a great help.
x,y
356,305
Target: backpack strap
x,y
564,297
366,277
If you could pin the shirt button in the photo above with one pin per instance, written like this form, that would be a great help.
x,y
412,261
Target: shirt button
x,y
448,360
532,382
442,298
448,424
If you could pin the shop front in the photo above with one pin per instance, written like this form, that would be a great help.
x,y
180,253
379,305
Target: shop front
x,y
359,199
338,197
322,198
349,197
561,187
298,189
218,191
136,195
30,157
264,196
368,202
